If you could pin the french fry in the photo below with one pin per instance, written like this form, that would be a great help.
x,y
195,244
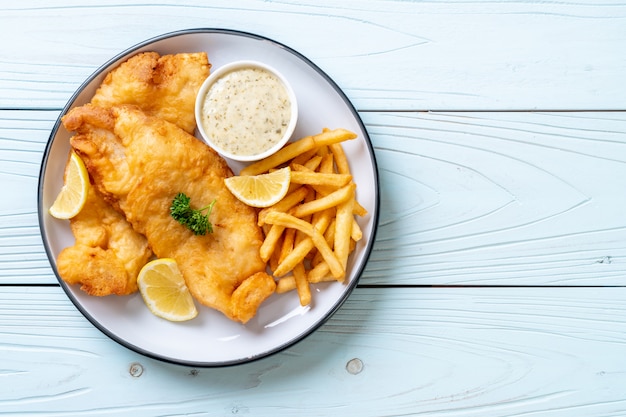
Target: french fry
x,y
329,235
286,284
285,204
343,167
302,285
274,261
311,232
340,158
309,218
352,245
327,165
285,154
328,137
270,242
312,163
304,247
319,178
287,220
289,237
343,228
319,273
296,148
356,233
323,150
359,210
304,157
294,257
331,200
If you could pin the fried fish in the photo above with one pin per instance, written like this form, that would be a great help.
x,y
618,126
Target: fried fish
x,y
108,253
164,86
139,163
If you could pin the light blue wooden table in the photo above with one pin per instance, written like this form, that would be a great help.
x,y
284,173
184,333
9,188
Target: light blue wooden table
x,y
497,282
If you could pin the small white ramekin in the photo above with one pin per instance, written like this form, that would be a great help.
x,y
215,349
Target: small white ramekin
x,y
233,66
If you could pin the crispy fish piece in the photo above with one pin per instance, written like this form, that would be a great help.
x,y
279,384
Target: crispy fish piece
x,y
140,163
163,86
108,253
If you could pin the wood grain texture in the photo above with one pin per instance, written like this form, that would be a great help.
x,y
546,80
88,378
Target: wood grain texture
x,y
427,351
466,198
496,285
500,198
387,55
23,137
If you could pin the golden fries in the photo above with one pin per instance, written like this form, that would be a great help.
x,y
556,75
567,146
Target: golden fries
x,y
316,178
343,228
311,232
287,220
288,201
272,238
302,284
331,200
294,149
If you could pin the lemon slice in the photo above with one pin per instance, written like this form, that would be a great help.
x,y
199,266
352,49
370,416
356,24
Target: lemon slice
x,y
73,194
261,190
163,289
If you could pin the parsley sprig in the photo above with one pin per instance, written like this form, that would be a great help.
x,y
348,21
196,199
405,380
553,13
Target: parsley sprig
x,y
194,219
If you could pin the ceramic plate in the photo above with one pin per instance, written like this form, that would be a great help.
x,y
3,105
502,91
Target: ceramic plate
x,y
211,339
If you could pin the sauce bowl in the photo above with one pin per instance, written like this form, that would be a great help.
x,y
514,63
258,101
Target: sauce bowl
x,y
246,110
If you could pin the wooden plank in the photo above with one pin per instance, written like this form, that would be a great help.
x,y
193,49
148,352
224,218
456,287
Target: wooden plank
x,y
23,137
387,55
482,198
449,352
466,198
500,198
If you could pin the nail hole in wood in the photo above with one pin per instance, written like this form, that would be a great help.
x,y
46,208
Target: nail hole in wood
x,y
135,370
354,366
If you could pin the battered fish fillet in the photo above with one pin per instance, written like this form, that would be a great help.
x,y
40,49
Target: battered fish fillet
x,y
108,253
139,163
163,86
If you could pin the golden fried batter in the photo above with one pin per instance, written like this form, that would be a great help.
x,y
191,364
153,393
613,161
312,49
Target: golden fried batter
x,y
109,253
163,86
140,163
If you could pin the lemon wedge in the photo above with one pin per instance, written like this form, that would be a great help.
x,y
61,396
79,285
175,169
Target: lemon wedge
x,y
73,194
261,190
163,289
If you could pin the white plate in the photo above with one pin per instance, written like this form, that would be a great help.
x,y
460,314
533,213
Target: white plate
x,y
211,339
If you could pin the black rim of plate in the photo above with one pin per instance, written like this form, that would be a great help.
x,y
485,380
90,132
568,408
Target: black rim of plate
x,y
368,247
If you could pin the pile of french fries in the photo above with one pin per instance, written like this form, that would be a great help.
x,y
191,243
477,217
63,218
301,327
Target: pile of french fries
x,y
310,233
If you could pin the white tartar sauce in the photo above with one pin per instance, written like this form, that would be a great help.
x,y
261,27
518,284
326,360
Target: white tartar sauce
x,y
246,111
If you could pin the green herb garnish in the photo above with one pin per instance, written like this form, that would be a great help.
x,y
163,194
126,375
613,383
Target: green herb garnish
x,y
194,220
